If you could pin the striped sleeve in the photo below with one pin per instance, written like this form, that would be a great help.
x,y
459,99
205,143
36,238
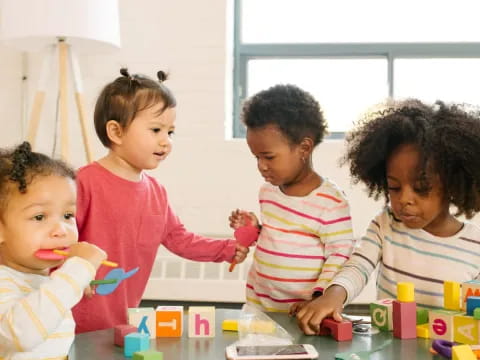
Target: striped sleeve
x,y
357,270
337,237
28,316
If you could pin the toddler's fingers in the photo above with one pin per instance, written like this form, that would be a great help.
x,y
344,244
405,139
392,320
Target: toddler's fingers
x,y
337,316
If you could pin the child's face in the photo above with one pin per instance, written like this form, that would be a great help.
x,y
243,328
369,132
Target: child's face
x,y
41,218
147,140
415,208
279,162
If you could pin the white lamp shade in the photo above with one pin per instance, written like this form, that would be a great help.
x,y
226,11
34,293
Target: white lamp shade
x,y
89,25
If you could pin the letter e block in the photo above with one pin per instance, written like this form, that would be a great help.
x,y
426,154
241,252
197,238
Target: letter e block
x,y
441,324
201,321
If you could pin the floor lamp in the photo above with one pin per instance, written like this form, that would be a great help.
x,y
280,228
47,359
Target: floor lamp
x,y
60,28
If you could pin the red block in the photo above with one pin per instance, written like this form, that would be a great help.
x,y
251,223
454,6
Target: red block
x,y
341,331
404,320
119,333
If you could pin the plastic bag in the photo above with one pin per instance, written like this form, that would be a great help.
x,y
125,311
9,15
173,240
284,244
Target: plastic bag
x,y
257,328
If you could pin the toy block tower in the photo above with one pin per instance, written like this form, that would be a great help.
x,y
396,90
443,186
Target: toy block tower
x,y
169,321
451,295
381,312
469,288
143,319
404,312
201,321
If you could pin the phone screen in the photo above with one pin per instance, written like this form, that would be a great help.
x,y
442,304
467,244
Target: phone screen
x,y
271,350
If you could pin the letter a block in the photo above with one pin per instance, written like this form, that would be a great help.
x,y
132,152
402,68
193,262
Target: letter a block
x,y
441,324
381,313
465,330
201,321
143,319
169,321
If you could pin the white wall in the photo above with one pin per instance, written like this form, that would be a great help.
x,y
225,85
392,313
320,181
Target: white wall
x,y
207,175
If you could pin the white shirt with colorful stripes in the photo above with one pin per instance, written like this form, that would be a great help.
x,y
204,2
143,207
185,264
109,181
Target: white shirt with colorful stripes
x,y
35,317
304,241
412,255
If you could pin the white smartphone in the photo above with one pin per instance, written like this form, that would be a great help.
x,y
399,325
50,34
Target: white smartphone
x,y
299,351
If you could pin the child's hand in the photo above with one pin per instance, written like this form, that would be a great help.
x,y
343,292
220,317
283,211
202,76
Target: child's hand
x,y
330,304
89,291
239,217
240,253
88,252
296,307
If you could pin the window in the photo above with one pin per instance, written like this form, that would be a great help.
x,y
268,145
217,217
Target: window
x,y
352,54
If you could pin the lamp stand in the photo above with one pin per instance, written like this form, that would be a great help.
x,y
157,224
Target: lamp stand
x,y
65,56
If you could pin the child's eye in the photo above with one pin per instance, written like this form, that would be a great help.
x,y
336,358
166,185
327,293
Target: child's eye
x,y
39,217
171,133
155,130
69,216
269,157
393,188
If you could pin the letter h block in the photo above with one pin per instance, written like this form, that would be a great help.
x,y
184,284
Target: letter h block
x,y
382,315
143,319
201,321
169,321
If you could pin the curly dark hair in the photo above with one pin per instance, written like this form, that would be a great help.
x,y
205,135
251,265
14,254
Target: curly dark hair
x,y
448,139
21,165
295,111
124,97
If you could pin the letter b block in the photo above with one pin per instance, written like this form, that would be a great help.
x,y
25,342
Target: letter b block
x,y
381,313
201,321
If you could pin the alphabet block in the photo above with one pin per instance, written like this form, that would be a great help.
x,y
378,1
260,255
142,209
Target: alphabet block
x,y
469,288
463,352
148,355
201,321
441,324
143,319
451,295
136,342
465,330
472,303
169,321
119,333
404,320
381,313
341,331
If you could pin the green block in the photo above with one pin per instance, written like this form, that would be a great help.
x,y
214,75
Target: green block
x,y
381,316
476,313
422,316
148,355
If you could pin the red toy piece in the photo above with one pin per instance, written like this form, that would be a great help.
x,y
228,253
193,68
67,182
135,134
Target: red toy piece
x,y
404,320
120,332
341,331
245,235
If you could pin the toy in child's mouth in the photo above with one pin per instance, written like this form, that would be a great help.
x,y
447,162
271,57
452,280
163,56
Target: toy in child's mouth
x,y
59,254
245,235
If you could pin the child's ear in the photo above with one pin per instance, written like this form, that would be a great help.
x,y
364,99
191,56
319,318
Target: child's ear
x,y
306,147
114,131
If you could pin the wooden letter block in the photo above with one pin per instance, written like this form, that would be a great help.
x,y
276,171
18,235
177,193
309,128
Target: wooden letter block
x,y
143,319
381,313
441,324
119,333
469,288
473,302
451,295
341,331
136,342
404,320
169,321
148,355
463,352
201,321
465,330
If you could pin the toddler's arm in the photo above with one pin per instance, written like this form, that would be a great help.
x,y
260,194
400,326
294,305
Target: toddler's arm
x,y
27,320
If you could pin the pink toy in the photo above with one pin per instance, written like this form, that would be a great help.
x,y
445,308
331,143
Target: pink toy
x,y
48,254
341,331
245,235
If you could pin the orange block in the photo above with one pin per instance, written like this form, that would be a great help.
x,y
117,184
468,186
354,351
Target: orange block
x,y
169,321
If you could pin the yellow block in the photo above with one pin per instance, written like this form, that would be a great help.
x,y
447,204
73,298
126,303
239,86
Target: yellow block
x,y
230,325
463,352
423,331
451,295
405,292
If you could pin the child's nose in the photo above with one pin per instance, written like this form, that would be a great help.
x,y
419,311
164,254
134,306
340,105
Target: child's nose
x,y
407,197
59,229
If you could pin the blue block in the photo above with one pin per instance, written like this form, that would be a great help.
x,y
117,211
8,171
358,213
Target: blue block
x,y
136,342
472,303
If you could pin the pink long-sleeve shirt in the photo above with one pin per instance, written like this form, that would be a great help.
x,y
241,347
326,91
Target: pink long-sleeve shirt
x,y
129,220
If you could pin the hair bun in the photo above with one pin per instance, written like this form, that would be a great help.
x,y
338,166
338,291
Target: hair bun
x,y
162,76
124,72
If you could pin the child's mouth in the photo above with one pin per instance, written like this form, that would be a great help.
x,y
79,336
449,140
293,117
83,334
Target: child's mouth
x,y
48,254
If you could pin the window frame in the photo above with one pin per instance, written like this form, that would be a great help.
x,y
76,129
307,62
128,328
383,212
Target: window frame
x,y
244,52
